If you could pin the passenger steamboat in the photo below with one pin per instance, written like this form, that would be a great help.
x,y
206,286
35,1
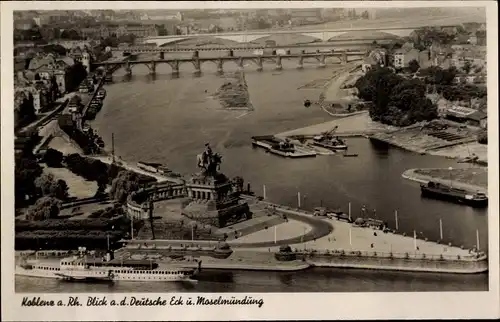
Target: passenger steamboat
x,y
444,192
80,269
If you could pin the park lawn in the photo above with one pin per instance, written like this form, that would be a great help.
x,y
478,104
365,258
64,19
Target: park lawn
x,y
472,176
78,186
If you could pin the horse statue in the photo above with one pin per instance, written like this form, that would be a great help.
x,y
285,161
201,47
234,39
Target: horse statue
x,y
209,161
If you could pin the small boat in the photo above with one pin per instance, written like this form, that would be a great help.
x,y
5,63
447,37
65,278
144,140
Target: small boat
x,y
352,155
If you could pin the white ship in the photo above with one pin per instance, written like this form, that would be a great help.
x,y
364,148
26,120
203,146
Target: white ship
x,y
79,269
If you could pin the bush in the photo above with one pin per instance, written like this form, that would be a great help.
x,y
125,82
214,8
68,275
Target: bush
x,y
482,137
66,240
99,224
44,208
53,158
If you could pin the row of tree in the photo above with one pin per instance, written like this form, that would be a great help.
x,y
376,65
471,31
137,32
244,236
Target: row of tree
x,y
96,224
67,240
396,100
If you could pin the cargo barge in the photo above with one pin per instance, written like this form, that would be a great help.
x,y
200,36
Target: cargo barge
x,y
280,147
440,191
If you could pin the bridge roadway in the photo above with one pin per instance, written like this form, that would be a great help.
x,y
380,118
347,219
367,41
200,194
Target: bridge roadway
x,y
197,61
322,34
246,47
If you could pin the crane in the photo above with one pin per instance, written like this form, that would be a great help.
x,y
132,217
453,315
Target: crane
x,y
326,134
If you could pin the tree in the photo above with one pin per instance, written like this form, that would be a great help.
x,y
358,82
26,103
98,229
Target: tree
x,y
467,67
44,208
396,100
47,185
413,65
482,137
76,75
238,183
71,34
26,171
53,158
125,183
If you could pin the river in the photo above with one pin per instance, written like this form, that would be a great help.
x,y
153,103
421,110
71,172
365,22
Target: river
x,y
169,120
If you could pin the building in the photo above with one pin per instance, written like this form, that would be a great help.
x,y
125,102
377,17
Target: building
x,y
47,66
103,31
305,16
467,115
403,56
470,78
39,92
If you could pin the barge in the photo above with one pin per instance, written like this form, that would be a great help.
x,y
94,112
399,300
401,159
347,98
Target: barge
x,y
282,148
440,191
328,141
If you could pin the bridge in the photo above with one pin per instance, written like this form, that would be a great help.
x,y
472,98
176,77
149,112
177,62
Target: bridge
x,y
241,47
249,36
197,61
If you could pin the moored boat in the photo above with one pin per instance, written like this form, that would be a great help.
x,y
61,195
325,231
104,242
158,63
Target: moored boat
x,y
80,269
444,192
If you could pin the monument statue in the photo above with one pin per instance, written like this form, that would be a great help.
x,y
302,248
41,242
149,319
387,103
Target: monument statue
x,y
209,161
211,192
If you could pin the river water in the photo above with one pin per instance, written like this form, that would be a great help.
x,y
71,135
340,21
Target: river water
x,y
169,120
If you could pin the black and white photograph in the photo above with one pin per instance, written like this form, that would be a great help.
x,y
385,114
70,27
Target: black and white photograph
x,y
247,150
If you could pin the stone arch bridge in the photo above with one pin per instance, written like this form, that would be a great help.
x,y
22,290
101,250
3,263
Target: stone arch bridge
x,y
250,36
258,60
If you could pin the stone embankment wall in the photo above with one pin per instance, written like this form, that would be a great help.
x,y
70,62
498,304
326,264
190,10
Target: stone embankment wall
x,y
463,266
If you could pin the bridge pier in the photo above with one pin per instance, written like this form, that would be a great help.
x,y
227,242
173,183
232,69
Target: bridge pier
x,y
300,65
152,68
197,65
259,64
279,66
175,67
322,61
240,63
344,58
220,69
128,69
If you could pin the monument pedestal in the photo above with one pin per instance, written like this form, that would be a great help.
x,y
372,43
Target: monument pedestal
x,y
212,201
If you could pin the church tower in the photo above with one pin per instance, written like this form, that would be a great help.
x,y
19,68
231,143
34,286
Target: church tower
x,y
86,59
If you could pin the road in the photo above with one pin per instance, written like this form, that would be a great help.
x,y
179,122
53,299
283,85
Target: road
x,y
158,177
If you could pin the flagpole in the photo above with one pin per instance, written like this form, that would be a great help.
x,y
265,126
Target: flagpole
x,y
298,199
477,239
275,234
350,237
132,228
264,192
396,215
349,211
415,239
441,228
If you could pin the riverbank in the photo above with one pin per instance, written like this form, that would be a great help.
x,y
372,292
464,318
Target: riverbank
x,y
470,179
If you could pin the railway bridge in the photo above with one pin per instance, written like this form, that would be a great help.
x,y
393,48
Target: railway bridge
x,y
343,57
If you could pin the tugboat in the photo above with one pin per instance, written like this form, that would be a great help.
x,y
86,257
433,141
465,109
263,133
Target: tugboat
x,y
326,140
444,192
